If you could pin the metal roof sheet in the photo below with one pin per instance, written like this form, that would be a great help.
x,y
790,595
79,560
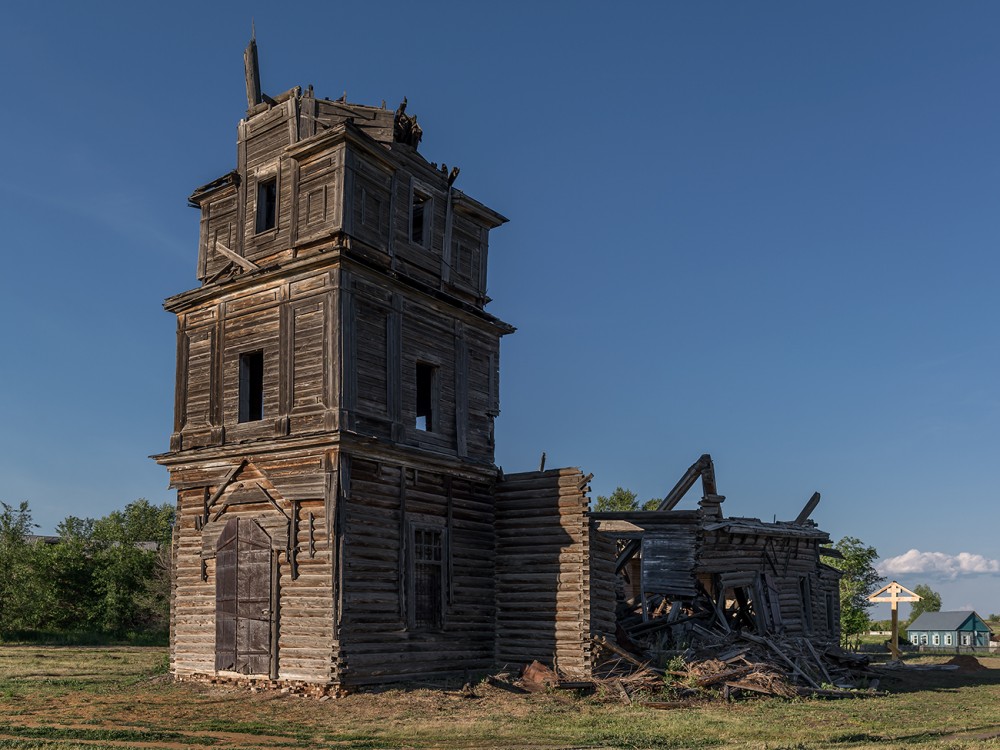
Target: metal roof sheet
x,y
940,620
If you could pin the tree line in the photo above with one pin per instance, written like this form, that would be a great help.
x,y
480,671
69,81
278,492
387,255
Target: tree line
x,y
108,576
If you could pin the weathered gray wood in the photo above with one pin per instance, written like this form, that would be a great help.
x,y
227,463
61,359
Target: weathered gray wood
x,y
239,260
251,69
807,511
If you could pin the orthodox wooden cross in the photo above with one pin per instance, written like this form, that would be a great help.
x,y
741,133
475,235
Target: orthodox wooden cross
x,y
894,593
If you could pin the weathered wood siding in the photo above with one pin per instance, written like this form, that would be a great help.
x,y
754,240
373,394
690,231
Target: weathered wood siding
x,y
343,301
305,604
787,564
388,331
324,187
378,641
543,570
292,321
603,553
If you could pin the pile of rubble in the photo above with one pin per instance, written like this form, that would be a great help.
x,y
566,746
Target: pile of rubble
x,y
740,664
736,664
264,684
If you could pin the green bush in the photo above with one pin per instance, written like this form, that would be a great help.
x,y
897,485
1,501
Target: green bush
x,y
97,581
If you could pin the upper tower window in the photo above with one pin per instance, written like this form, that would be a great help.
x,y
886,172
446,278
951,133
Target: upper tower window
x,y
267,204
251,386
420,219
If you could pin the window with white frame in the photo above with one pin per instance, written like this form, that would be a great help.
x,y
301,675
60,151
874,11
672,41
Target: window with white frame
x,y
936,639
948,640
923,639
965,639
915,639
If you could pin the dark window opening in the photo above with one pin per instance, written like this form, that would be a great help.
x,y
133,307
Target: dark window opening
x,y
830,624
267,204
428,575
420,218
425,397
251,386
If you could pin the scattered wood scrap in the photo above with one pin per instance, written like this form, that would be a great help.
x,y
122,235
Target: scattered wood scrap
x,y
735,665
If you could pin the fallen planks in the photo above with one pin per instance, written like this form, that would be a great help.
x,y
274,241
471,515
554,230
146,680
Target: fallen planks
x,y
737,664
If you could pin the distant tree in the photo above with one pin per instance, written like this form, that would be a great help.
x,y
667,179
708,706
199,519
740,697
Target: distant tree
x,y
19,583
68,571
859,580
622,500
930,601
619,501
140,521
102,575
131,583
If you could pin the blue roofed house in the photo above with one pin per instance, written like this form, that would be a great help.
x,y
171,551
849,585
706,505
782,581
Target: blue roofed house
x,y
949,630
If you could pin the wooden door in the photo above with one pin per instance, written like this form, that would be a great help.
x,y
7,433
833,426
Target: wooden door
x,y
243,596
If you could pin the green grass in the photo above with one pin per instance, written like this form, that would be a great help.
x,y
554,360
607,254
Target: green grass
x,y
82,638
13,744
109,735
68,697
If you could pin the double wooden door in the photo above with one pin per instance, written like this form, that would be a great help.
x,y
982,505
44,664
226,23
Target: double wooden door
x,y
245,616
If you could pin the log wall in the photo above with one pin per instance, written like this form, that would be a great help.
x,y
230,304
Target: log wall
x,y
292,322
788,564
378,639
544,573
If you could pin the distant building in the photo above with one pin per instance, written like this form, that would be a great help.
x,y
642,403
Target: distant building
x,y
949,630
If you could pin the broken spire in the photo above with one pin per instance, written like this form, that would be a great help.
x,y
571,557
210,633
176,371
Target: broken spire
x,y
251,69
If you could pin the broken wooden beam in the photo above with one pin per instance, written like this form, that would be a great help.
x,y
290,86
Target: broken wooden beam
x,y
810,506
504,685
703,468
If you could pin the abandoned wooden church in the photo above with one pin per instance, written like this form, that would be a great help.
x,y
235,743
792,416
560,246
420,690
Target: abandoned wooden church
x,y
341,520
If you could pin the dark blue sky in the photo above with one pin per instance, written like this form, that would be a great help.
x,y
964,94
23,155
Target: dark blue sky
x,y
765,231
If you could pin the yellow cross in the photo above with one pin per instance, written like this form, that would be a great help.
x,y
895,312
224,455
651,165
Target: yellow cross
x,y
894,593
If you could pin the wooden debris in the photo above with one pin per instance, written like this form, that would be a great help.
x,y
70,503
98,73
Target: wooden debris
x,y
504,685
538,678
738,664
620,689
576,685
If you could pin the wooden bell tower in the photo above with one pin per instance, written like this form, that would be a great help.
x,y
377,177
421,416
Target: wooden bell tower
x,y
337,381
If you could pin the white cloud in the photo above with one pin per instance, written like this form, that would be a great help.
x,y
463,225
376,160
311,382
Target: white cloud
x,y
939,565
